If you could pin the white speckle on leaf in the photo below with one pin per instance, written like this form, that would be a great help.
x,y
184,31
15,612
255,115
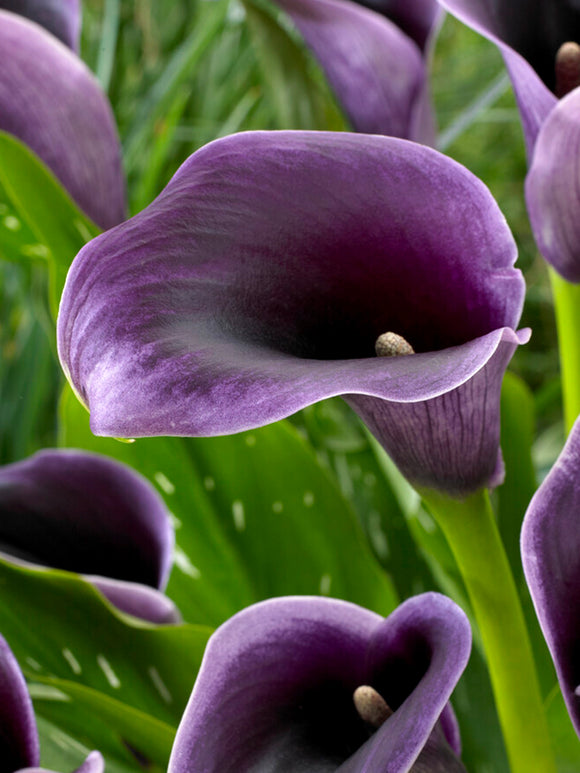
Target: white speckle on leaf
x,y
239,515
164,483
308,498
12,223
182,562
159,684
277,507
377,535
250,440
72,661
107,670
370,479
209,483
46,692
325,583
34,664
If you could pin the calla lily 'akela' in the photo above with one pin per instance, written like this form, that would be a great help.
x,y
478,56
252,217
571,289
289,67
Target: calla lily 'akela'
x,y
19,747
551,559
276,690
378,72
60,17
259,280
86,513
545,75
50,101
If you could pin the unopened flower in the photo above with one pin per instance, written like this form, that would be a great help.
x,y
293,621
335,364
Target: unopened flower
x,y
89,514
321,685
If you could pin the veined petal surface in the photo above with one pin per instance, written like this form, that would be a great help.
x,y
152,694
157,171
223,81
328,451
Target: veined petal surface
x,y
275,690
51,101
60,17
259,280
551,559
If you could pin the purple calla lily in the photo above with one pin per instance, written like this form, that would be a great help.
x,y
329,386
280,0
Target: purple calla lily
x,y
260,278
416,18
62,18
85,513
538,40
376,70
280,689
51,101
551,559
19,747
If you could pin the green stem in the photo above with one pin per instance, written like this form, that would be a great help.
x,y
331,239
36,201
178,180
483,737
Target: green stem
x,y
470,528
567,308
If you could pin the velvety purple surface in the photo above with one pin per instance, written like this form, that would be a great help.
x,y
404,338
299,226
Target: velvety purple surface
x,y
551,559
258,281
60,17
275,688
376,71
18,734
89,514
416,18
52,102
552,192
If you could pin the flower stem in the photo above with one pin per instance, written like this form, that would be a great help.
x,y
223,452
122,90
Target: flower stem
x,y
567,308
471,531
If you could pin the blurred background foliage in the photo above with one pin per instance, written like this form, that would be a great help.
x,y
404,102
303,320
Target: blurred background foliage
x,y
179,74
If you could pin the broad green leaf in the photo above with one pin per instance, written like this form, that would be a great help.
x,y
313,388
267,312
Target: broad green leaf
x,y
96,721
256,515
41,202
297,88
564,738
60,627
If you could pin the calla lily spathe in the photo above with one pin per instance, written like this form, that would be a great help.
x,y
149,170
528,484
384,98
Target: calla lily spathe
x,y
275,690
62,18
86,513
551,559
50,101
19,746
260,278
377,71
530,34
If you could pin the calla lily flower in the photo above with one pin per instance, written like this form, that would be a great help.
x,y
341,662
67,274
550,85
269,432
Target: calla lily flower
x,y
320,685
378,72
19,746
50,101
416,18
260,278
60,17
86,513
551,559
539,42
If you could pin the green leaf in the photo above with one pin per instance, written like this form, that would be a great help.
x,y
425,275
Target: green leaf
x,y
41,202
60,627
564,736
256,515
96,721
297,88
